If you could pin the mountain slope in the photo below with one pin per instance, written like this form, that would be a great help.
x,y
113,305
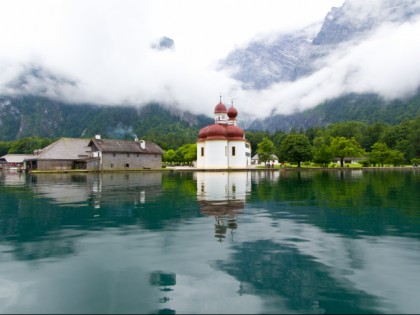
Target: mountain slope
x,y
368,108
26,116
289,57
35,116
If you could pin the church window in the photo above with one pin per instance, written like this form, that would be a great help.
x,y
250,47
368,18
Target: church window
x,y
233,151
202,151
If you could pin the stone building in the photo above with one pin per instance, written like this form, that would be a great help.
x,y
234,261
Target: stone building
x,y
125,155
95,155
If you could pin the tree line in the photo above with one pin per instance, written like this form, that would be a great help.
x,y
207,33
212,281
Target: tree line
x,y
374,144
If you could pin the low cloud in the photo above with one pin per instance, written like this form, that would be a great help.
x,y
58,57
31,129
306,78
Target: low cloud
x,y
135,52
384,62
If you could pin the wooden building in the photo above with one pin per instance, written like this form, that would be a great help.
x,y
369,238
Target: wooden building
x,y
64,154
13,161
95,155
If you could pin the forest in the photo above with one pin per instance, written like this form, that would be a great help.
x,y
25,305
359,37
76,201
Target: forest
x,y
376,143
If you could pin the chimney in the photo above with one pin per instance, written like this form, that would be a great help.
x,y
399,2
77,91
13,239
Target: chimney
x,y
98,137
143,144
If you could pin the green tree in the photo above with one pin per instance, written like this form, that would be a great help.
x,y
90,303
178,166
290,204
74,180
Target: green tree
x,y
348,129
28,145
277,139
255,137
382,154
379,153
169,156
296,148
312,132
342,147
265,150
4,147
393,134
395,157
322,153
407,148
188,152
372,135
414,137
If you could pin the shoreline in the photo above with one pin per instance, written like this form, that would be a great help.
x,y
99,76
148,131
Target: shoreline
x,y
247,169
184,168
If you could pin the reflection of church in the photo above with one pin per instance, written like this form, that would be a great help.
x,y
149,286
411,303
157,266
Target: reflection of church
x,y
223,196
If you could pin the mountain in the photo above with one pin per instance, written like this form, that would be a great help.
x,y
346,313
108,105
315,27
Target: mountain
x,y
27,116
356,18
367,108
284,58
291,56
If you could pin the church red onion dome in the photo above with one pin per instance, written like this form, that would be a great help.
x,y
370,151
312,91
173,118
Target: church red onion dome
x,y
203,133
216,132
232,112
234,132
220,108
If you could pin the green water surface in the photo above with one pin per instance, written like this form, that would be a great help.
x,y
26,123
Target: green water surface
x,y
211,242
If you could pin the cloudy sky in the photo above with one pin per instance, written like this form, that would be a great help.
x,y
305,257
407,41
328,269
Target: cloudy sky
x,y
102,51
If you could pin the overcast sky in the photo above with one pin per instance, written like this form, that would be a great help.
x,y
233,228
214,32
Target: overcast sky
x,y
103,48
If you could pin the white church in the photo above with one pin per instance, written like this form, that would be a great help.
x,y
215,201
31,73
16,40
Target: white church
x,y
222,145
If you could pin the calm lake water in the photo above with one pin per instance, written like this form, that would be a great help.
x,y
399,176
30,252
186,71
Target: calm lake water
x,y
211,242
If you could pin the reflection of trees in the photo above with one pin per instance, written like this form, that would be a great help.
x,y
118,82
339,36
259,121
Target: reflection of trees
x,y
275,270
31,214
346,201
44,248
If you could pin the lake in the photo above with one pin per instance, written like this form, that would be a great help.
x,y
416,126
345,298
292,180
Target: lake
x,y
211,242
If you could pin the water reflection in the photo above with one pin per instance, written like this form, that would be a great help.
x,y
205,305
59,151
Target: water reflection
x,y
223,196
97,188
290,242
12,178
45,219
165,281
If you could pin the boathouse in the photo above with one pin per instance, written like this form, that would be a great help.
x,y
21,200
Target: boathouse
x,y
63,154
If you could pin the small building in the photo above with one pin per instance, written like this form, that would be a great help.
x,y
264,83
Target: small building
x,y
222,145
273,160
63,154
13,161
95,155
125,155
349,160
